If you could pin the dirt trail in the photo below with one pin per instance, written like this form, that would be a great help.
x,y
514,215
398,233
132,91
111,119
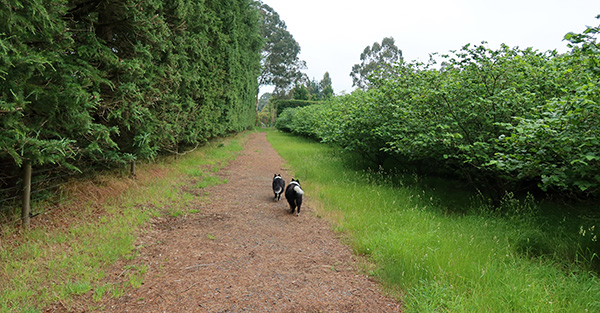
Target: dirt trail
x,y
245,252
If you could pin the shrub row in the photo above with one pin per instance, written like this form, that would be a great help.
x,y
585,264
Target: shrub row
x,y
502,119
282,104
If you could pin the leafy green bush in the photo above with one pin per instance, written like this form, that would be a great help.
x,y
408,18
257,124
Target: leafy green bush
x,y
285,119
503,119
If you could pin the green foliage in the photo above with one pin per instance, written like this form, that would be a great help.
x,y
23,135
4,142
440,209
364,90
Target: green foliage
x,y
300,93
282,105
285,119
111,81
586,44
305,121
505,119
559,144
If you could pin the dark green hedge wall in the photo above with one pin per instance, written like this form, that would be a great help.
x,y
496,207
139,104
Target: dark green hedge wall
x,y
101,81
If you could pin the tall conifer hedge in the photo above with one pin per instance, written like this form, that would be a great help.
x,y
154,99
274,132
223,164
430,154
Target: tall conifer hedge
x,y
99,82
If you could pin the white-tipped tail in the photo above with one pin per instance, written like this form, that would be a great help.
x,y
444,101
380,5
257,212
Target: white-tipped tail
x,y
299,190
278,190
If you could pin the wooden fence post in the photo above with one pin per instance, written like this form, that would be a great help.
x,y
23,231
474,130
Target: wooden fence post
x,y
132,169
26,193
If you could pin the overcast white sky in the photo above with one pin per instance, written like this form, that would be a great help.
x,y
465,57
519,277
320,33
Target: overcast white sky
x,y
333,33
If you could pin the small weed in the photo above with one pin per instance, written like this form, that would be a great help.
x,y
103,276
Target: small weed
x,y
176,213
30,310
194,172
99,292
207,181
136,280
117,292
77,288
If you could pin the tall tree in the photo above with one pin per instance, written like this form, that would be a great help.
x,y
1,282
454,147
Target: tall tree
x,y
280,63
326,88
314,88
300,92
263,101
373,60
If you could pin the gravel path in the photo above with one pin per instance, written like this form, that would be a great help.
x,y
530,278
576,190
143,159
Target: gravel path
x,y
244,252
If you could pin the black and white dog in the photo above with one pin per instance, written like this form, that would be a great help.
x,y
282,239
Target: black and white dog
x,y
278,186
293,194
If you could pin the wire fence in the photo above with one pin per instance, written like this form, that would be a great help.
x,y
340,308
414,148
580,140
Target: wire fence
x,y
11,190
46,185
45,182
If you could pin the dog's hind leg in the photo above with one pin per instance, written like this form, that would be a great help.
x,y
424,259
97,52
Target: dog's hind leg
x,y
299,204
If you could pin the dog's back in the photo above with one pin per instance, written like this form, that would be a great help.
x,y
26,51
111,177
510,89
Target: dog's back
x,y
293,194
278,186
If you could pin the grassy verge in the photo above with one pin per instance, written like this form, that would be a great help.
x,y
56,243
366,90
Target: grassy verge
x,y
66,252
525,259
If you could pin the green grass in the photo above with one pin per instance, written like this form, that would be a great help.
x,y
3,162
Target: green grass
x,y
528,257
45,265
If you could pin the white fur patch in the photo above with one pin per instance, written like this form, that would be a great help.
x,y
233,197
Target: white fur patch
x,y
298,190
